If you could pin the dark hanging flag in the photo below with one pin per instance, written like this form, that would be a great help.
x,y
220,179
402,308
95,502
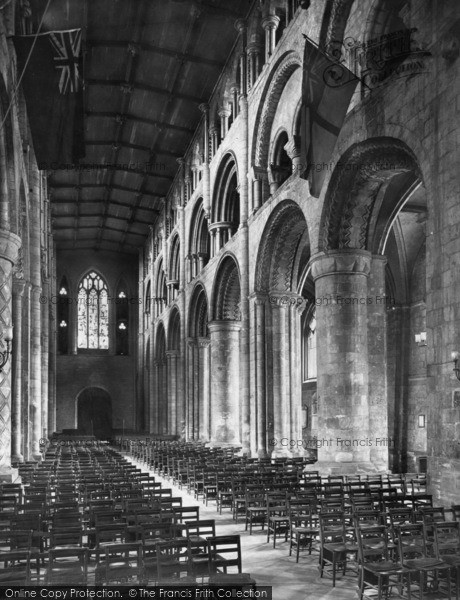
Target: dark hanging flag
x,y
327,89
53,89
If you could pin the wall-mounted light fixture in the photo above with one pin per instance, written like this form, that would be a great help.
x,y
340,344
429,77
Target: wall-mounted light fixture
x,y
420,338
421,421
8,338
455,356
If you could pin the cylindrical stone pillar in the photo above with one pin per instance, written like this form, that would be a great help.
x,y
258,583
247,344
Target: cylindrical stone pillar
x,y
204,388
36,375
377,360
260,377
45,357
190,411
9,247
341,280
171,357
16,400
225,384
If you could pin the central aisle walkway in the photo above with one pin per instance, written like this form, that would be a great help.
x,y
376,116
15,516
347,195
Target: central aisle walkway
x,y
268,565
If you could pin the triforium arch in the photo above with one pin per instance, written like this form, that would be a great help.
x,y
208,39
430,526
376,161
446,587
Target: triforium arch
x,y
225,353
160,399
198,378
199,243
225,213
161,291
371,226
282,72
286,66
174,268
283,255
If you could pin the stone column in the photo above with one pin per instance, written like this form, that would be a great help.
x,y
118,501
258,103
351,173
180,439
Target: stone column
x,y
377,360
171,357
181,371
52,349
190,402
214,138
253,62
155,400
9,247
225,382
293,151
240,26
224,114
270,24
281,381
204,388
164,408
341,280
36,374
45,356
260,377
244,265
259,176
206,176
16,400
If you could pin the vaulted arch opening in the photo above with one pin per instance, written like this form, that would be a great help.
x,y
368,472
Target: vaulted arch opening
x,y
372,238
280,282
225,353
94,413
225,205
198,378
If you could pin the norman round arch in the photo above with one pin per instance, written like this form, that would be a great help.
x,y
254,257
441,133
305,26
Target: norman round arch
x,y
370,182
174,330
94,412
227,291
278,249
198,313
285,67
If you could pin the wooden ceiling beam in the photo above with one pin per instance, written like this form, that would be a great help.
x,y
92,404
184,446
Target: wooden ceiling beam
x,y
157,50
158,124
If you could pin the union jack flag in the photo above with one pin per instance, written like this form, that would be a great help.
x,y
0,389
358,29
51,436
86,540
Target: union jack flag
x,y
67,48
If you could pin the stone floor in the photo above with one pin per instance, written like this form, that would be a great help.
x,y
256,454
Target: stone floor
x,y
273,566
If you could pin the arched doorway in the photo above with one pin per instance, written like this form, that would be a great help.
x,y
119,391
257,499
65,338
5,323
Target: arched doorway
x,y
94,413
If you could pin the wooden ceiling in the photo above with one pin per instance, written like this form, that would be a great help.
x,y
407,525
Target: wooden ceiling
x,y
148,66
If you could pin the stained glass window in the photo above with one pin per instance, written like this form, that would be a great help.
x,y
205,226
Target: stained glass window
x,y
93,313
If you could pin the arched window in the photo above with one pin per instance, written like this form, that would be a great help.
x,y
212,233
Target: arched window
x,y
281,167
122,320
93,313
309,369
63,317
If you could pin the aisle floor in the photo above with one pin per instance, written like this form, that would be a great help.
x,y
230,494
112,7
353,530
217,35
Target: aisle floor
x,y
271,566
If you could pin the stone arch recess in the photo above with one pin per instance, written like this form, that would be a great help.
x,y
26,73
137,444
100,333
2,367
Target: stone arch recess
x,y
278,248
366,170
227,291
286,66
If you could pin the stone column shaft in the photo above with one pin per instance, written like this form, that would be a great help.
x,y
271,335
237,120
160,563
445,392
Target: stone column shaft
x,y
225,383
204,388
261,389
377,353
9,247
341,329
16,401
45,357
